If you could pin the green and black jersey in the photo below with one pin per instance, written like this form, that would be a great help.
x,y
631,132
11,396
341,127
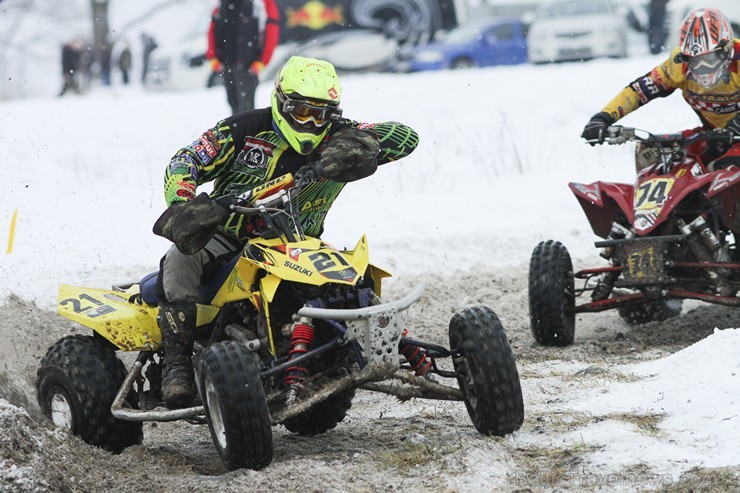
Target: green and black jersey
x,y
244,151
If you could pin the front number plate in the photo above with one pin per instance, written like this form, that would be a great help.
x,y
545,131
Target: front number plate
x,y
643,263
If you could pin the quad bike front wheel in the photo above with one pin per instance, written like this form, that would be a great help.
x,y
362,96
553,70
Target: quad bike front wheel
x,y
235,405
486,371
551,295
76,384
652,311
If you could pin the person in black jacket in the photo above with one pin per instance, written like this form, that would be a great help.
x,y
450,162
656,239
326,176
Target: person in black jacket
x,y
124,63
242,37
71,54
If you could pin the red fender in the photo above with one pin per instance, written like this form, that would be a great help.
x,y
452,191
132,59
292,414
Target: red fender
x,y
602,202
724,192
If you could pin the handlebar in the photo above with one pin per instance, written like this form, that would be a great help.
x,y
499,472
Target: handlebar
x,y
274,202
617,134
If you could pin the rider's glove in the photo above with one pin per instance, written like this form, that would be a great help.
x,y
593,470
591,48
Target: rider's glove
x,y
734,125
190,225
595,130
350,154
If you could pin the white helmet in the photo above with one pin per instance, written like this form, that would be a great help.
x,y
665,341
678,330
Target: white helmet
x,y
706,45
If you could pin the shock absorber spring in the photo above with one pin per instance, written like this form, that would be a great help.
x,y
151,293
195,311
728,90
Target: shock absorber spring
x,y
700,244
415,357
300,341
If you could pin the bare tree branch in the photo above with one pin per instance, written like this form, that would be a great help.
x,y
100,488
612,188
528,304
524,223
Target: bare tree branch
x,y
132,23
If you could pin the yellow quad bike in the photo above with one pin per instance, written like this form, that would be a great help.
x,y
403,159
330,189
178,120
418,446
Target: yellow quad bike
x,y
286,332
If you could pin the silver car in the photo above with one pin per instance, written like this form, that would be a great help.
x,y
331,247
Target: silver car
x,y
565,30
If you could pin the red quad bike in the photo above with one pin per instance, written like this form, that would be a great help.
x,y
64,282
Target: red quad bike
x,y
667,238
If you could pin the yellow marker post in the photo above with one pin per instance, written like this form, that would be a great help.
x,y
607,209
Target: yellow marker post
x,y
12,232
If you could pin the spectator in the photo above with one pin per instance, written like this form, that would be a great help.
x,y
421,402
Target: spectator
x,y
242,37
71,54
149,46
124,63
105,63
656,25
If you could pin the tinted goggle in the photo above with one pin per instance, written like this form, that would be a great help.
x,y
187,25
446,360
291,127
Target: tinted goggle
x,y
303,111
707,63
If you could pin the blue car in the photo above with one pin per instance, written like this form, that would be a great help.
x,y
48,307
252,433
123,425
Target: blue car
x,y
477,44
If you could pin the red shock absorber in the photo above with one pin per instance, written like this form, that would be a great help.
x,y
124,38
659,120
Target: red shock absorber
x,y
415,357
300,341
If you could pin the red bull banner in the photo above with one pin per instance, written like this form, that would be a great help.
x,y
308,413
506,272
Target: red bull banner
x,y
407,21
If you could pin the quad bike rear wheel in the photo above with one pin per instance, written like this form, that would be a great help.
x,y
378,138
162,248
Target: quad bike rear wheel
x,y
76,384
486,371
235,405
652,311
551,295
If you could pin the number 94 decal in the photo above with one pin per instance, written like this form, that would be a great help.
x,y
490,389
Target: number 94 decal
x,y
651,195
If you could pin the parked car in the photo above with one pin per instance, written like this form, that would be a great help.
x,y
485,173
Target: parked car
x,y
349,50
182,66
564,30
477,44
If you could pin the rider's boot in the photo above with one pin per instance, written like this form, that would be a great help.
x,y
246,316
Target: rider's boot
x,y
177,323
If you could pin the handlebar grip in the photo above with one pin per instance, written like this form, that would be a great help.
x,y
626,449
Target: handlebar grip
x,y
617,134
312,171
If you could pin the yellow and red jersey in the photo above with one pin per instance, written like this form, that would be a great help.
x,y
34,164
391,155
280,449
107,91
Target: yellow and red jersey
x,y
715,106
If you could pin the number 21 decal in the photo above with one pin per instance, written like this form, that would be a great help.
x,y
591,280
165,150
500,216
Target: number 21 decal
x,y
98,308
323,261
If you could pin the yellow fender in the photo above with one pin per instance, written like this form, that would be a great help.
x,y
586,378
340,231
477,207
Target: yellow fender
x,y
129,326
377,275
238,285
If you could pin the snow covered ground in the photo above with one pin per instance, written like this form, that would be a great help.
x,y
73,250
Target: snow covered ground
x,y
83,175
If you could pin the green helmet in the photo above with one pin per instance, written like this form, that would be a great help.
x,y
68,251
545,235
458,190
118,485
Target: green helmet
x,y
304,101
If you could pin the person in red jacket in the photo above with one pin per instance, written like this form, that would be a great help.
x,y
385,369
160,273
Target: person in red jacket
x,y
242,38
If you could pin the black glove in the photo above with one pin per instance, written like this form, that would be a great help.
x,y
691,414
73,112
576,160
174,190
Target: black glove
x,y
350,154
595,130
734,126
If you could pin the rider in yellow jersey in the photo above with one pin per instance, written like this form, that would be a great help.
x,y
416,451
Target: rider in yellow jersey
x,y
706,67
